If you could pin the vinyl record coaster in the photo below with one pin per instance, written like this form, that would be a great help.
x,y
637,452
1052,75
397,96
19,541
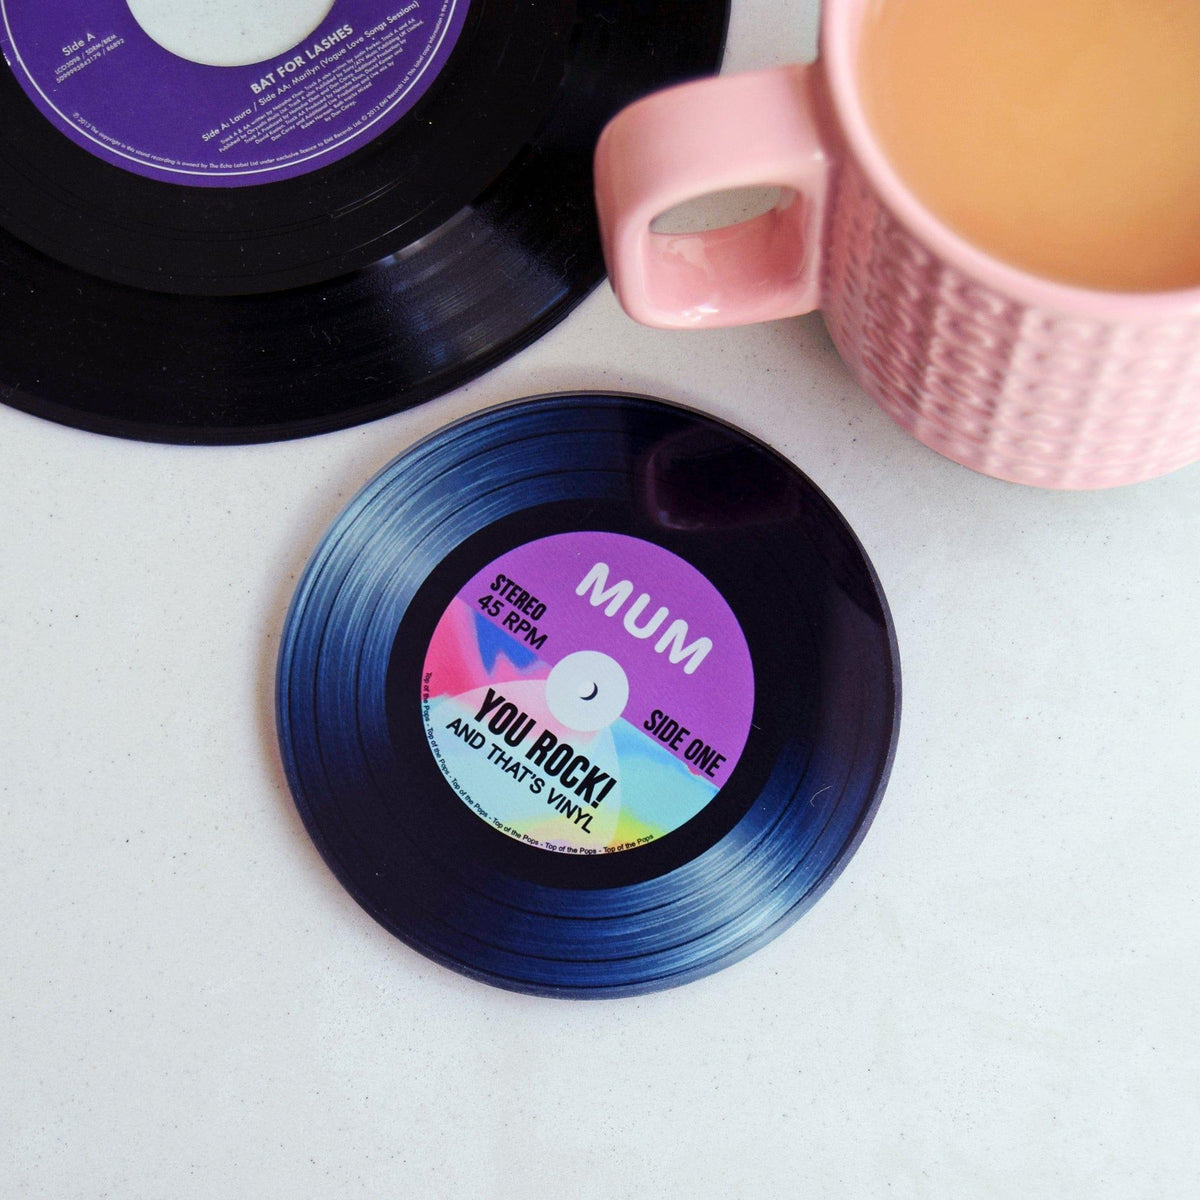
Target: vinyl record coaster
x,y
588,695
223,249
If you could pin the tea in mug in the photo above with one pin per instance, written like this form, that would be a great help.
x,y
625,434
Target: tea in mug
x,y
1062,136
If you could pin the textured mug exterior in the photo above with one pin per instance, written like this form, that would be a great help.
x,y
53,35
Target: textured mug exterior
x,y
1023,393
1015,376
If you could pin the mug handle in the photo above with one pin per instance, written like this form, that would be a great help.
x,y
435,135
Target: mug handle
x,y
760,129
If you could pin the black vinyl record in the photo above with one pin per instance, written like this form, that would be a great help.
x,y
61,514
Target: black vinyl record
x,y
141,307
588,695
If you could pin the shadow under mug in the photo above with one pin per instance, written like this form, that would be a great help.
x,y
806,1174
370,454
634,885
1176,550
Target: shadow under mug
x,y
1016,376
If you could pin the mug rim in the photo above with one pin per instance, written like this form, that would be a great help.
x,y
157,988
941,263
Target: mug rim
x,y
838,61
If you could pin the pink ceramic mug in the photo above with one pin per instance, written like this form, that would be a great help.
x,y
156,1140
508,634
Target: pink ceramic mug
x,y
1013,375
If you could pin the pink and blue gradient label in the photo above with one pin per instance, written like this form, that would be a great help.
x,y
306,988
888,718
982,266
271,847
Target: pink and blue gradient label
x,y
587,693
99,78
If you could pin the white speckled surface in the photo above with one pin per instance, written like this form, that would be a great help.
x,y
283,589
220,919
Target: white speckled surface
x,y
997,999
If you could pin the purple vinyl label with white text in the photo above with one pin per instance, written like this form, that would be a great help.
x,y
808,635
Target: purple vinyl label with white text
x,y
587,693
101,79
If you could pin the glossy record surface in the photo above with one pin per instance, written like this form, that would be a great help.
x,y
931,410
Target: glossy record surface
x,y
150,310
387,822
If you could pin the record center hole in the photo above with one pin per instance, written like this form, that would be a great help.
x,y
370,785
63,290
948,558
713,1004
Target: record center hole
x,y
718,210
229,33
586,690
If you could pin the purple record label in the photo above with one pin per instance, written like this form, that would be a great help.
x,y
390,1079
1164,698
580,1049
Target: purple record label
x,y
587,693
99,78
